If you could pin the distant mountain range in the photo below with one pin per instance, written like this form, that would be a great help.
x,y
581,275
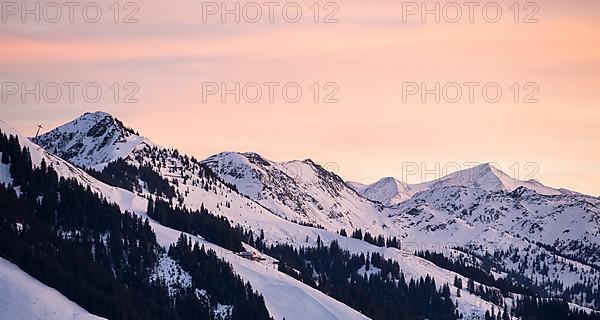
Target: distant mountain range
x,y
391,191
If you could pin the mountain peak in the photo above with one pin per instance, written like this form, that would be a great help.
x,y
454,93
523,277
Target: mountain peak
x,y
102,117
489,177
487,166
93,139
387,190
486,176
256,158
299,190
97,114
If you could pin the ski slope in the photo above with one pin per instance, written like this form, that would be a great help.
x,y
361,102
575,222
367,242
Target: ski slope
x,y
24,297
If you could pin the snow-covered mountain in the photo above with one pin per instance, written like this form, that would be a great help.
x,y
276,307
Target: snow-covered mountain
x,y
524,230
91,140
485,209
301,191
512,227
486,176
490,213
388,190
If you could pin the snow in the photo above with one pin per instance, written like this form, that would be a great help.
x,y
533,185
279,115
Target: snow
x,y
487,177
92,140
242,176
493,220
5,177
472,208
171,273
575,307
355,185
298,191
300,301
372,270
223,311
391,191
24,297
388,191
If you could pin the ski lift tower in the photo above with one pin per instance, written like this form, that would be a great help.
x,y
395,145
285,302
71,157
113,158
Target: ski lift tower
x,y
39,126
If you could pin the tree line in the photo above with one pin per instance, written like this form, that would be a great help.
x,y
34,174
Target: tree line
x,y
121,174
215,229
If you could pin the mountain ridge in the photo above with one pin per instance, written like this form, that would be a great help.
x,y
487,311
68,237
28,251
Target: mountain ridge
x,y
113,140
472,212
391,191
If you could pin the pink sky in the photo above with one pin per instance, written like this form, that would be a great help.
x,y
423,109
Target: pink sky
x,y
369,53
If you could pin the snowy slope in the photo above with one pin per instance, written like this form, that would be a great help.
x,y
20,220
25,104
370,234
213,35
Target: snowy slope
x,y
24,297
355,185
284,296
452,212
